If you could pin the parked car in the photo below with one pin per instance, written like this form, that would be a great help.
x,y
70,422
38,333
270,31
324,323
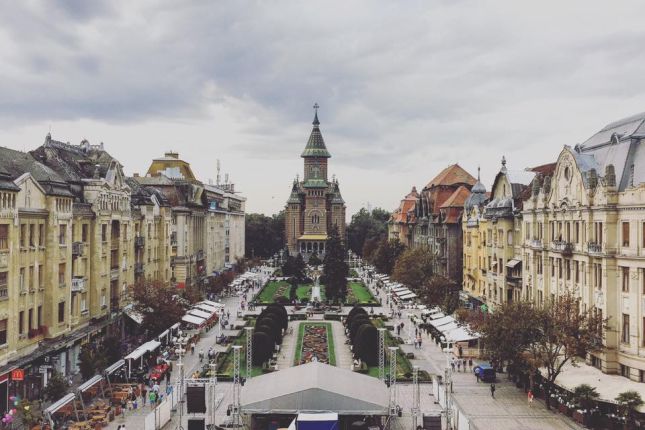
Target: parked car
x,y
486,372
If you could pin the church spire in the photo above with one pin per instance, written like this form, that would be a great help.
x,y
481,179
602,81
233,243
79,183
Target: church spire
x,y
316,144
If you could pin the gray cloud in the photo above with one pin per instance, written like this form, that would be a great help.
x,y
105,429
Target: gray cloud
x,y
405,88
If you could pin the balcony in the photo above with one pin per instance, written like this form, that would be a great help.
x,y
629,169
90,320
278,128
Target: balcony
x,y
38,331
114,273
114,243
536,243
78,249
78,284
139,242
566,248
138,269
594,248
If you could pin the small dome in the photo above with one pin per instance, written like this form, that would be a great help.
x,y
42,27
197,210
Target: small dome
x,y
478,188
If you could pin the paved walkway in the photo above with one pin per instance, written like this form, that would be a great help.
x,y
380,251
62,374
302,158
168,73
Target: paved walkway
x,y
508,410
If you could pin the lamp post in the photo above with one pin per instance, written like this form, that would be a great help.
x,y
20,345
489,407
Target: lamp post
x,y
181,351
416,398
447,387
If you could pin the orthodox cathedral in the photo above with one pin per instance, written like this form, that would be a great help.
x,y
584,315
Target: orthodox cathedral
x,y
315,205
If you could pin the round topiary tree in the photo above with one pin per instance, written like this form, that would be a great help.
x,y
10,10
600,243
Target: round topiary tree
x,y
262,348
356,323
356,310
277,316
282,311
366,344
266,328
271,321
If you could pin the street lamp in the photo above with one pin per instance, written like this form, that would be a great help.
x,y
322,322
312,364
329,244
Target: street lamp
x,y
181,351
447,387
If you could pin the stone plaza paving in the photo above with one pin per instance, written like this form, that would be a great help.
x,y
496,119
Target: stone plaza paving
x,y
509,409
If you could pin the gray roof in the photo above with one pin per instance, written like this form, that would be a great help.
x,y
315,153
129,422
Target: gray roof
x,y
315,387
619,144
14,164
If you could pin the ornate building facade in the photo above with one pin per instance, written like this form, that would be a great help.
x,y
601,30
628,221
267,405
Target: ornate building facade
x,y
315,205
584,232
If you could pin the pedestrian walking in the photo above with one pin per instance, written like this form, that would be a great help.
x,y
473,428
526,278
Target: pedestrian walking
x,y
458,365
144,392
530,398
167,378
477,375
192,348
419,340
452,364
152,396
464,364
492,390
470,363
201,355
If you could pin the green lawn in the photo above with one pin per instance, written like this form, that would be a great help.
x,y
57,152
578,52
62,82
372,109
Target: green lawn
x,y
330,342
357,292
273,289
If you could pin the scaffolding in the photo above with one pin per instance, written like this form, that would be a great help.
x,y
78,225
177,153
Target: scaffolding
x,y
381,354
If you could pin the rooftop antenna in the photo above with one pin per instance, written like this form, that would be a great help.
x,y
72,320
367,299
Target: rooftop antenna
x,y
226,178
218,167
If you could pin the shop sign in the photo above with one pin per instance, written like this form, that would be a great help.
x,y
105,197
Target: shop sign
x,y
18,374
43,369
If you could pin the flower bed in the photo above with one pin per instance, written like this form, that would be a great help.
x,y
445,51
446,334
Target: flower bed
x,y
315,343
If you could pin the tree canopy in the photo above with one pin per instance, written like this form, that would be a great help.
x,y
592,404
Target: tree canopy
x,y
264,235
385,256
158,303
335,269
413,267
366,225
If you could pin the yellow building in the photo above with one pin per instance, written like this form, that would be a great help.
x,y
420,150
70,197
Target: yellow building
x,y
584,232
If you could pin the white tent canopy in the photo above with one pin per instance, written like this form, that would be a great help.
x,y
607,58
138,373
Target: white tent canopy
x,y
315,387
206,308
200,313
460,334
60,403
211,303
441,321
408,296
89,383
113,368
193,319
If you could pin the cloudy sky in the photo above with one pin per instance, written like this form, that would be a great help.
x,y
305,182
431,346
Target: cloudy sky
x,y
405,88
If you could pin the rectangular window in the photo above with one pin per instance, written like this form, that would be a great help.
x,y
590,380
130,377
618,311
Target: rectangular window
x,y
21,322
4,287
32,235
32,278
21,279
624,371
61,312
567,264
3,332
39,315
625,271
41,234
23,235
103,232
84,231
4,236
576,271
62,234
552,264
41,276
61,274
626,234
30,319
625,333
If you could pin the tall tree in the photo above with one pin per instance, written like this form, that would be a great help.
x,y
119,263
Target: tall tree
x,y
440,291
366,225
386,254
413,268
264,236
335,269
566,334
158,304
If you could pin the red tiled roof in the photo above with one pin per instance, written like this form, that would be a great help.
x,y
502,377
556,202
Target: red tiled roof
x,y
452,175
544,169
407,206
457,199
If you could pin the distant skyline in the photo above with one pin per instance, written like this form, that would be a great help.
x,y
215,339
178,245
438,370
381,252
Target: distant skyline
x,y
405,89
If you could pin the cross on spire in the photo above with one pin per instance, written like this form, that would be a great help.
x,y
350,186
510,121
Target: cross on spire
x,y
316,122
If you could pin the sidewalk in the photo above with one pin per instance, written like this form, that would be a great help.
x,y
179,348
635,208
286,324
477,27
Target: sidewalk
x,y
135,419
509,410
